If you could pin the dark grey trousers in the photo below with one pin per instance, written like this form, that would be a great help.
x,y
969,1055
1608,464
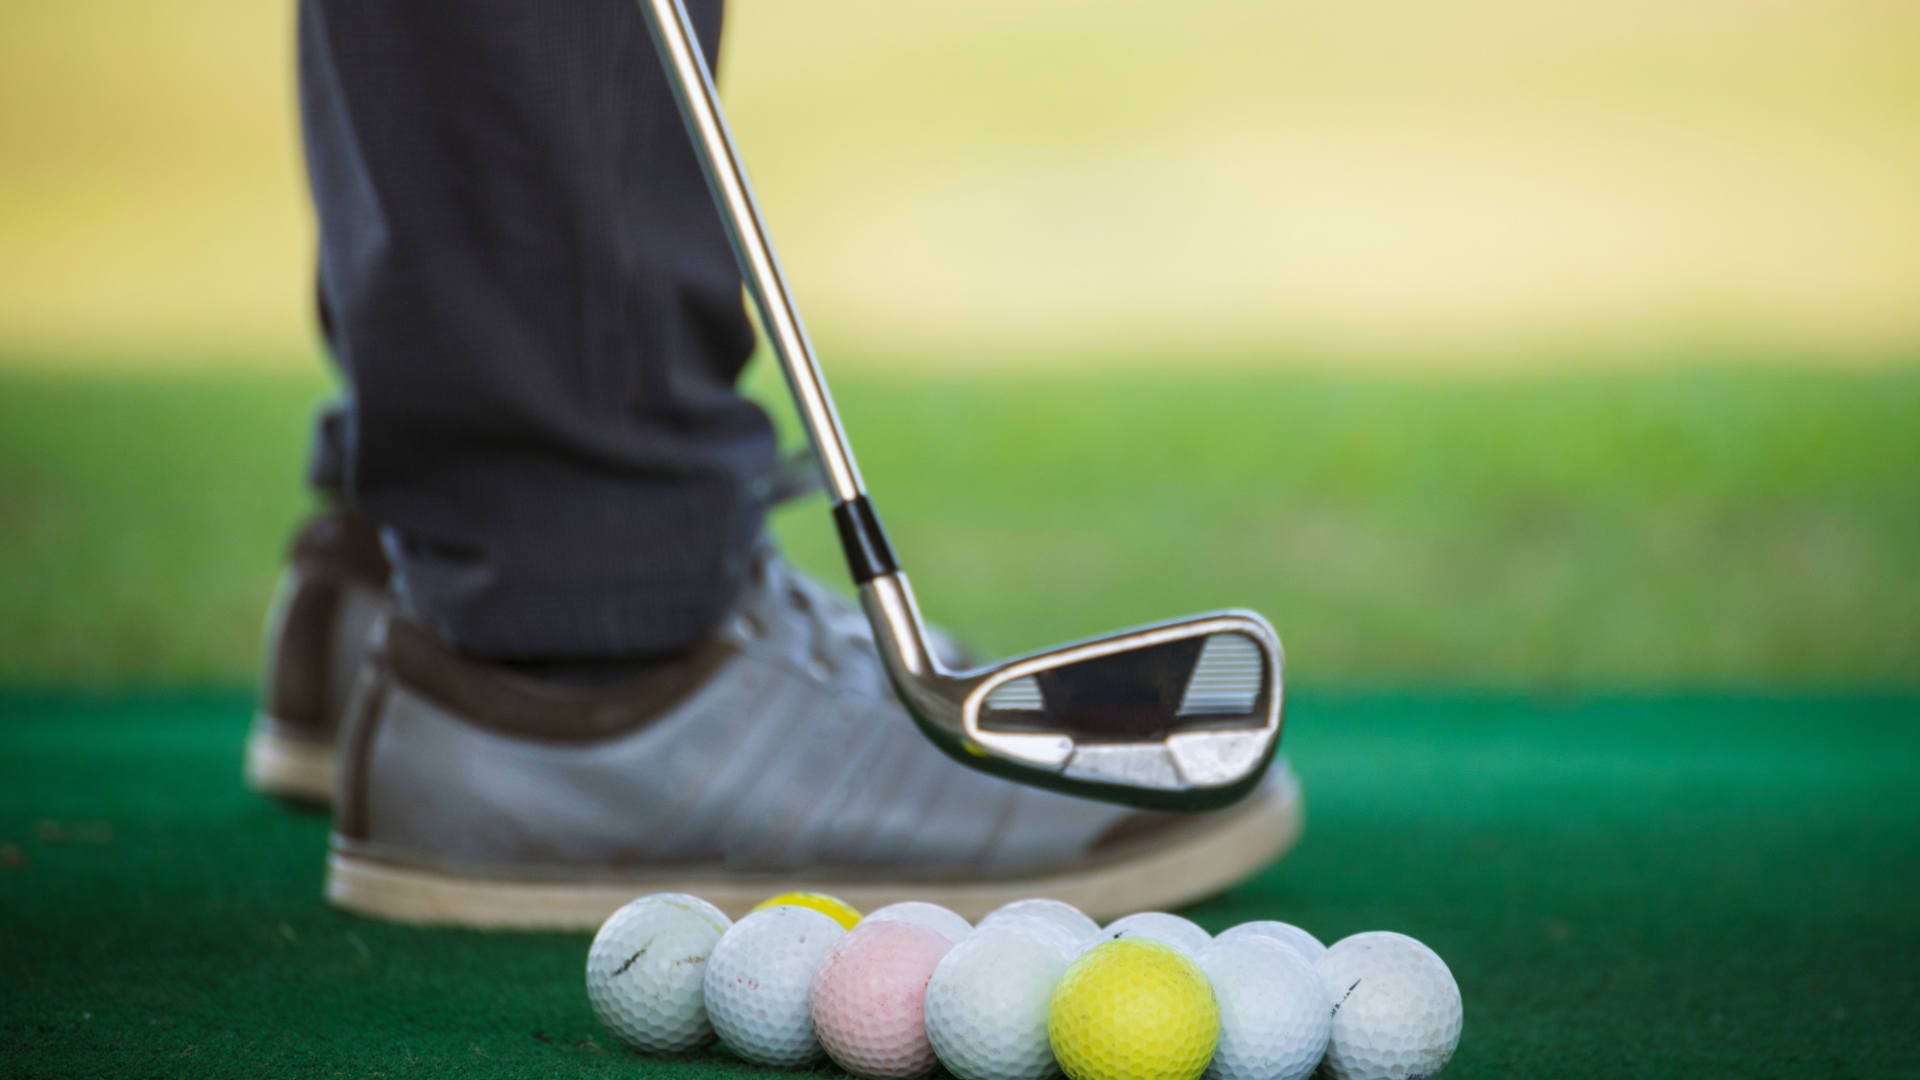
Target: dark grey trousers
x,y
538,315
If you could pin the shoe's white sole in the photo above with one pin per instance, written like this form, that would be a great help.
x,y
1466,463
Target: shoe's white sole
x,y
1162,878
288,768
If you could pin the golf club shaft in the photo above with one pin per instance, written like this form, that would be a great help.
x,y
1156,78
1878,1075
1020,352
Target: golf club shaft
x,y
868,553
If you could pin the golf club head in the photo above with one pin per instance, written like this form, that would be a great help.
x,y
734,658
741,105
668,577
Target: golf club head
x,y
1182,715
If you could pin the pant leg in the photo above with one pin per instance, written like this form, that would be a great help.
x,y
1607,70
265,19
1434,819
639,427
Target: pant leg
x,y
540,320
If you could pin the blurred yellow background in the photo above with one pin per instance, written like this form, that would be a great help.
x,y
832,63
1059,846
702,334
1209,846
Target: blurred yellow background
x,y
1459,184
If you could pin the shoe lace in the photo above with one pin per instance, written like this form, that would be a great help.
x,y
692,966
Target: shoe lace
x,y
795,476
836,632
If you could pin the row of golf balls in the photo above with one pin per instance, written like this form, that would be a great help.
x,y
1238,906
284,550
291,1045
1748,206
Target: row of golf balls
x,y
1036,989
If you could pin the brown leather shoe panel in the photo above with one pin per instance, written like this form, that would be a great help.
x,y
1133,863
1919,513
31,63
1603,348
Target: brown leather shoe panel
x,y
297,674
512,704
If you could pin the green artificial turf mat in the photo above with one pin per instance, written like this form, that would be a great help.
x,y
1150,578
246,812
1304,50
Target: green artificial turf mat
x,y
1693,886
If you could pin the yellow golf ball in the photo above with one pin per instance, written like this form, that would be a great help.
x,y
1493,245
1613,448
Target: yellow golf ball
x,y
1133,1009
831,906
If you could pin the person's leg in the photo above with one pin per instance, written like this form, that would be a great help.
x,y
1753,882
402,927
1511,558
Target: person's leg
x,y
541,322
539,316
540,319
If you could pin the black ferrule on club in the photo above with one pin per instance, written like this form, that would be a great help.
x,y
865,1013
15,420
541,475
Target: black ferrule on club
x,y
868,554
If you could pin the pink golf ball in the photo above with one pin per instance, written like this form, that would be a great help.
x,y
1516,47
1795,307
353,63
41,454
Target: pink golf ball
x,y
869,1000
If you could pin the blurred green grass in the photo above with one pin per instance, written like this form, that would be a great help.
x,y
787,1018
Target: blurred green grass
x,y
1712,528
142,520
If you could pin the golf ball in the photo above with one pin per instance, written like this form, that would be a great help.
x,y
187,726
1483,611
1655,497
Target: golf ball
x,y
1040,930
1303,943
869,995
832,906
757,982
1069,918
646,972
1182,934
1396,1008
932,916
987,1002
1274,1014
1133,1009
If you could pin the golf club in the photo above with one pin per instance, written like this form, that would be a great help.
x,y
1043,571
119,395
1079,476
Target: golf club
x,y
1182,715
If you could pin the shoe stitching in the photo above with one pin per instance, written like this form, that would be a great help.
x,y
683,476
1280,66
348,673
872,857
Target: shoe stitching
x,y
850,829
702,815
735,814
813,831
754,687
784,772
897,801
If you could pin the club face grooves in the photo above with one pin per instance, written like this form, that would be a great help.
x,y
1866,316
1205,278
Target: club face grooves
x,y
1159,736
1183,800
1142,695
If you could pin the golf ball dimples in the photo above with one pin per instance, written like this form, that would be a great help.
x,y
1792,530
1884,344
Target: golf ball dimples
x,y
868,999
932,916
987,1002
646,972
1133,1009
1396,1008
839,910
1066,916
1303,943
1274,1013
1182,934
757,982
1038,929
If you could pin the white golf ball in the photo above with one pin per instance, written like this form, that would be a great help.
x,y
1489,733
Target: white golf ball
x,y
1274,1014
1066,916
757,982
987,1004
1041,930
646,972
1304,943
1396,1008
932,916
1182,934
